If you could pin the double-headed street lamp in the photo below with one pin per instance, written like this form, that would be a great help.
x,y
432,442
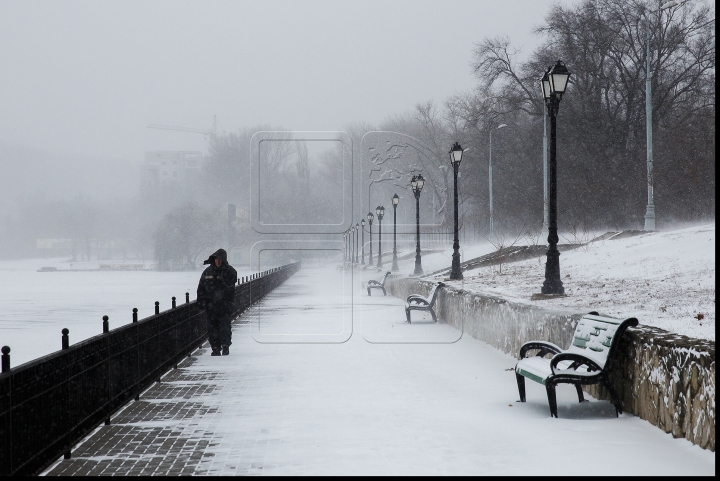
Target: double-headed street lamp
x,y
490,175
370,217
395,201
553,84
416,184
455,158
380,212
362,239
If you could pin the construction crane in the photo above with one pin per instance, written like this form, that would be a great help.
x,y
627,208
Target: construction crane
x,y
212,132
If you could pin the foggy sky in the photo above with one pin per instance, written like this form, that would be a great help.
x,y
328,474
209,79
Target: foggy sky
x,y
87,77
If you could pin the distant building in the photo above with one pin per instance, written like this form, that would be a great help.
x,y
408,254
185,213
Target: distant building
x,y
167,168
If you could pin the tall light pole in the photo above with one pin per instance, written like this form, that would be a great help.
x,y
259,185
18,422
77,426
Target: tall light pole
x,y
395,201
490,176
370,217
455,158
380,212
362,239
553,84
416,184
650,210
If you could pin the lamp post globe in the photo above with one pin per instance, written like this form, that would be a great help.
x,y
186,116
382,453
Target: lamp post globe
x,y
553,84
416,184
362,240
395,202
380,213
370,217
455,158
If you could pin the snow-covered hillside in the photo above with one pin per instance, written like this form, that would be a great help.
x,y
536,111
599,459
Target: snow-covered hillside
x,y
665,279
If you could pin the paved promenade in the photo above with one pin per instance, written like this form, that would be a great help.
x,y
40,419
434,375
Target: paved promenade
x,y
364,393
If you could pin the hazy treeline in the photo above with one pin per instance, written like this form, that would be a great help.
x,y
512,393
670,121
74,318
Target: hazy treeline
x,y
601,150
601,147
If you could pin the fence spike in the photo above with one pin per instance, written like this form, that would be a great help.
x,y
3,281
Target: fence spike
x,y
65,338
135,314
106,324
157,307
5,358
173,302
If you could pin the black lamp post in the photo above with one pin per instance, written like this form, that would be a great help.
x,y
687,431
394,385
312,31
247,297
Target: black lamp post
x,y
362,240
349,249
357,232
380,212
370,217
417,183
455,158
395,201
553,84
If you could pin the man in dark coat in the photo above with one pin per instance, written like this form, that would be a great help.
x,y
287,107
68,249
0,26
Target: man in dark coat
x,y
216,294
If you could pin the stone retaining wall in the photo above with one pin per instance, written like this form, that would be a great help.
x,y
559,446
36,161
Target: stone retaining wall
x,y
664,378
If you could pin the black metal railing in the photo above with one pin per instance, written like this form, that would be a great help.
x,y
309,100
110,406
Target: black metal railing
x,y
49,404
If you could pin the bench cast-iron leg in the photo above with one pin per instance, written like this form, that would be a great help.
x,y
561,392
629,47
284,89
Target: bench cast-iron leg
x,y
550,388
581,398
368,291
432,313
613,397
521,386
407,314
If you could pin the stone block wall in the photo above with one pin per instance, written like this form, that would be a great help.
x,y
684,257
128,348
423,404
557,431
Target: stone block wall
x,y
664,378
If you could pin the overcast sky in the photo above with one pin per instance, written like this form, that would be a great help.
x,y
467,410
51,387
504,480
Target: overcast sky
x,y
87,77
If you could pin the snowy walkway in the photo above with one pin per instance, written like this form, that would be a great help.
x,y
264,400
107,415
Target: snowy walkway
x,y
393,399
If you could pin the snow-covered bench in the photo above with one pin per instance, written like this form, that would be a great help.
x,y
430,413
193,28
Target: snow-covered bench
x,y
372,284
345,265
416,302
589,359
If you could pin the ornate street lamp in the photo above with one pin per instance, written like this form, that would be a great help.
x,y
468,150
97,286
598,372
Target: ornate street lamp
x,y
553,84
357,231
362,239
416,184
370,217
380,212
395,201
345,237
501,126
455,158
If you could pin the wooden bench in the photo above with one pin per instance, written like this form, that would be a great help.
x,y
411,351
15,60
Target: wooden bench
x,y
589,359
372,284
416,302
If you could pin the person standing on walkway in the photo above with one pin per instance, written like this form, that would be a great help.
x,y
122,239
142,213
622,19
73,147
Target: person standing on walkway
x,y
216,294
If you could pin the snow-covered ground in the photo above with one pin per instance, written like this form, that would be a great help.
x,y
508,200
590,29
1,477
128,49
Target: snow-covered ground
x,y
351,407
665,279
